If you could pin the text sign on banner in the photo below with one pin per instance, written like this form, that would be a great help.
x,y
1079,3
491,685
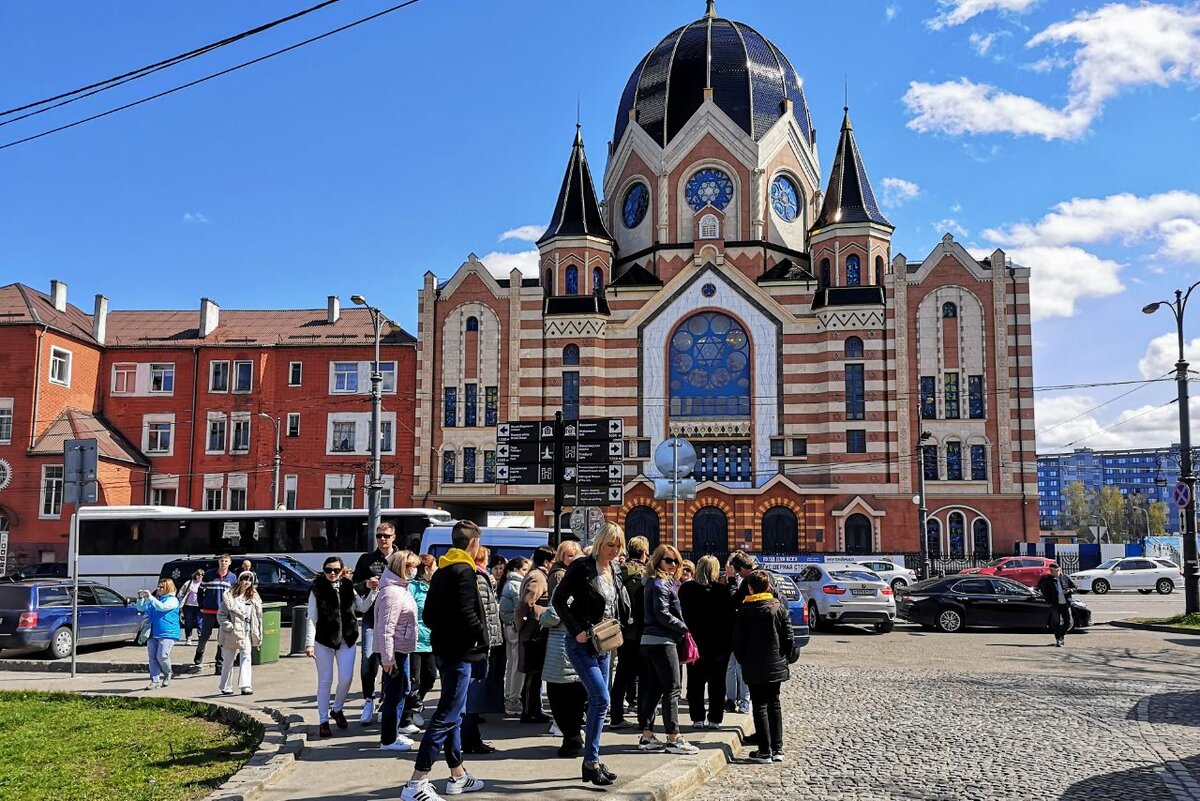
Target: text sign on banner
x,y
524,474
593,451
525,452
598,428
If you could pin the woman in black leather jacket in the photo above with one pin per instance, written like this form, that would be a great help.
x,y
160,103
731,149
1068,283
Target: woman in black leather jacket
x,y
661,637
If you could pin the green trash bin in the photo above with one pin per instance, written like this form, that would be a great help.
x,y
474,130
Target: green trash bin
x,y
269,650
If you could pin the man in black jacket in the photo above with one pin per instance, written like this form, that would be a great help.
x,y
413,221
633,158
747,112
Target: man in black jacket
x,y
458,636
629,656
367,570
1057,588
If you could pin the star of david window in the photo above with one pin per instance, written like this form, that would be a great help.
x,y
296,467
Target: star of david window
x,y
637,201
710,368
785,199
709,187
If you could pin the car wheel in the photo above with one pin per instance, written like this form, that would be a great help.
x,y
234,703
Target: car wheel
x,y
1164,586
1145,592
1099,586
949,620
60,642
814,618
898,583
885,627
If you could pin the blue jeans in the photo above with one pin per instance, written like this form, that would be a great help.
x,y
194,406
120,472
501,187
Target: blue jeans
x,y
191,620
158,650
368,668
736,689
395,689
445,728
593,672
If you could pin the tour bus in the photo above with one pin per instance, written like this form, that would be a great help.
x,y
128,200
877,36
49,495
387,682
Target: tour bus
x,y
507,542
125,547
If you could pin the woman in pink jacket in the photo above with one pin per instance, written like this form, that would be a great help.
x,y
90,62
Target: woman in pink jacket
x,y
395,639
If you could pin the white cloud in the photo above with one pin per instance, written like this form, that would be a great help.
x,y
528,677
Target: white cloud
x,y
1163,352
524,233
501,264
194,217
956,12
897,190
1061,276
951,225
982,42
891,11
1118,47
1066,421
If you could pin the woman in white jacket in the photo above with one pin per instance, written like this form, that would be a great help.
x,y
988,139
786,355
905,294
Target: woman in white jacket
x,y
330,637
240,621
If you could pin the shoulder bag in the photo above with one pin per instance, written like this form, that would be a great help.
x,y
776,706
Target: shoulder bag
x,y
688,652
605,636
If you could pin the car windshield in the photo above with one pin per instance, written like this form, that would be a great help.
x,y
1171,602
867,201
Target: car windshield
x,y
853,575
304,571
994,562
1109,565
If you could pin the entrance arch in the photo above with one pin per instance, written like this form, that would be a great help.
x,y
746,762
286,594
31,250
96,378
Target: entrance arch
x,y
780,531
642,521
858,534
710,532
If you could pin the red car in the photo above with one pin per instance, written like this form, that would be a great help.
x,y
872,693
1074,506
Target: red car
x,y
1026,569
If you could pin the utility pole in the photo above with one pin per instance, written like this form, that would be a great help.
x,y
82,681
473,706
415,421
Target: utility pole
x,y
559,427
374,481
278,459
922,510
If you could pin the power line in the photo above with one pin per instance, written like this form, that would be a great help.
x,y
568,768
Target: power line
x,y
209,77
117,80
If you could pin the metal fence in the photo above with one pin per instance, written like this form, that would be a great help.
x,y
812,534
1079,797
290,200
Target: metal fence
x,y
915,560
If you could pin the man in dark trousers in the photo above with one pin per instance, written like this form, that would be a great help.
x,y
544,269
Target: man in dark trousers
x,y
1057,588
367,571
216,582
534,600
458,637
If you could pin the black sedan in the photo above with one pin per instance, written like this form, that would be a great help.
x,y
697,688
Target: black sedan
x,y
957,602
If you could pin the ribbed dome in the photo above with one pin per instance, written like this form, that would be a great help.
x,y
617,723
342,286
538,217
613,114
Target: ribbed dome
x,y
750,78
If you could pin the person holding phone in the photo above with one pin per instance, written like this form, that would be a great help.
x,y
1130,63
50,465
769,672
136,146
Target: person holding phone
x,y
241,629
162,608
331,634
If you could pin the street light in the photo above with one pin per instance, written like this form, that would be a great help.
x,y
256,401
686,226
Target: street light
x,y
921,446
1191,582
278,458
374,483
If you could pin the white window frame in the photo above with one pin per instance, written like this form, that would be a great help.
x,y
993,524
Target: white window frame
x,y
237,484
388,371
235,379
6,421
51,492
158,438
214,490
333,436
341,487
212,376
60,366
709,227
213,419
158,496
295,370
389,438
387,492
162,370
293,417
149,420
239,420
291,491
338,375
124,378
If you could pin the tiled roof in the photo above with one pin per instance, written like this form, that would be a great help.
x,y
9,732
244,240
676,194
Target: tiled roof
x,y
577,212
239,326
78,424
849,198
23,305
637,275
788,270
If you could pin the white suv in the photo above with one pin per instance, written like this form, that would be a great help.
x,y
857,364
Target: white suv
x,y
893,574
1131,573
841,593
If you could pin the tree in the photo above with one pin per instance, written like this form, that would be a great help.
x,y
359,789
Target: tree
x,y
1158,519
1078,511
1111,507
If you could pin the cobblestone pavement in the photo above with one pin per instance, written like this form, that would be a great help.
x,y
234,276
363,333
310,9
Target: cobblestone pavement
x,y
1115,716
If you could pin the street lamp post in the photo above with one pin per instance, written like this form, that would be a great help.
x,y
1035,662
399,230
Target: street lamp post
x,y
374,482
278,458
1191,581
922,510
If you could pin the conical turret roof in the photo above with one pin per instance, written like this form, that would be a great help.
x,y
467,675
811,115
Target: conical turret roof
x,y
849,198
577,212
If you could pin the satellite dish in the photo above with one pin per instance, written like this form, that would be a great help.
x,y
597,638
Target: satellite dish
x,y
665,458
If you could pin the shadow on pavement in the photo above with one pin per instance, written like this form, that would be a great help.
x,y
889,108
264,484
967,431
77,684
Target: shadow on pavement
x,y
1172,708
1144,783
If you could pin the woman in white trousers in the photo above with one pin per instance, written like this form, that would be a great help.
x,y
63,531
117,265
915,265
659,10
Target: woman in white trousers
x,y
241,628
330,638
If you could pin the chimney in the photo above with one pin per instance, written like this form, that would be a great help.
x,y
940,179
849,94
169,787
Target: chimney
x,y
100,319
210,317
334,311
58,295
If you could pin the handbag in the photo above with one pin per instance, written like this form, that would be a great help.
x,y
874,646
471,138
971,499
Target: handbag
x,y
688,652
605,636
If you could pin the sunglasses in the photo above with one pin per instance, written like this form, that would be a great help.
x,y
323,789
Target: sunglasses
x,y
331,570
668,560
384,536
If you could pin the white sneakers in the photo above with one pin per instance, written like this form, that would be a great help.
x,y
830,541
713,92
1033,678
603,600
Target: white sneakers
x,y
465,783
681,746
419,791
402,744
554,730
411,728
368,712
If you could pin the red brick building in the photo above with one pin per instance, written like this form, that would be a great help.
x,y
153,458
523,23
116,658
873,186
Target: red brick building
x,y
184,405
720,294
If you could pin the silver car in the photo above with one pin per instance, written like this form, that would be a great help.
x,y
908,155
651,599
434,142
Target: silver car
x,y
892,573
839,593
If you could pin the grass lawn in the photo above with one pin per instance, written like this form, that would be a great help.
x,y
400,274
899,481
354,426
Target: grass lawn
x,y
69,747
1191,621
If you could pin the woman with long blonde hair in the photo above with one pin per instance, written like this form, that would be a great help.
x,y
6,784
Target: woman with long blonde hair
x,y
661,637
240,619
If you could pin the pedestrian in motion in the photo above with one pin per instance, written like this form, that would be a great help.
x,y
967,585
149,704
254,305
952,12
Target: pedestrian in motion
x,y
367,570
1057,588
162,607
762,643
216,583
395,639
330,637
241,622
189,600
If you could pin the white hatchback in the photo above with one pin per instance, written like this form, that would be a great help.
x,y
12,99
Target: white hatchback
x,y
892,573
840,593
1131,573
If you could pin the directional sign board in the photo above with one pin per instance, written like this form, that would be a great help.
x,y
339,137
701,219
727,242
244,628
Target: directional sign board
x,y
1181,495
592,453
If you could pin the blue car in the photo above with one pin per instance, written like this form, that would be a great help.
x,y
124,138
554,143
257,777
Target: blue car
x,y
35,615
797,609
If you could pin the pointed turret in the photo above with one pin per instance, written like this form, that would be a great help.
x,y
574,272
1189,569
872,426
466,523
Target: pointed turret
x,y
577,212
849,198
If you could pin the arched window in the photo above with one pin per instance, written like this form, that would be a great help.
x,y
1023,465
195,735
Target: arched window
x,y
981,538
929,461
858,534
956,533
597,281
710,532
879,270
780,531
710,227
854,348
570,355
548,282
572,280
824,281
949,310
954,461
708,187
933,538
472,323
709,367
853,271
642,521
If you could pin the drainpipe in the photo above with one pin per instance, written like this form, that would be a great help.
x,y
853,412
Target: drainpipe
x,y
1012,274
435,392
191,473
37,386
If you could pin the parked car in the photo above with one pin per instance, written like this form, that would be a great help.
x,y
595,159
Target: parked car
x,y
1028,570
839,593
280,577
797,608
953,603
35,615
890,572
1131,573
39,570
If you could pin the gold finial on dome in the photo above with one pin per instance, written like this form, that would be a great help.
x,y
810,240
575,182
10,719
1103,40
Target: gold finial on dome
x,y
712,9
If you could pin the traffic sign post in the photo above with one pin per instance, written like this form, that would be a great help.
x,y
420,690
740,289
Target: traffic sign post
x,y
80,466
1181,495
675,459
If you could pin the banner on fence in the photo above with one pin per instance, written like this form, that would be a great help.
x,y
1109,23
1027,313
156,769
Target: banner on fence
x,y
787,563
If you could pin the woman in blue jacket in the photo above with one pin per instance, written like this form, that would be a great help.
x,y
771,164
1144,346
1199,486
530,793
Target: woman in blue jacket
x,y
162,608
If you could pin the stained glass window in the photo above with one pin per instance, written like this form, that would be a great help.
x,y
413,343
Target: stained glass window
x,y
597,281
853,271
785,199
468,465
489,467
981,537
491,405
710,367
471,405
709,187
933,538
879,270
952,394
975,397
856,402
571,355
928,397
571,394
956,531
856,440
949,310
472,323
854,348
954,465
929,458
451,419
637,201
979,463
824,273
710,227
448,467
572,280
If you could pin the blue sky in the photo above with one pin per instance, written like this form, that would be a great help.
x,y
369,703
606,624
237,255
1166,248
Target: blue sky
x,y
1063,132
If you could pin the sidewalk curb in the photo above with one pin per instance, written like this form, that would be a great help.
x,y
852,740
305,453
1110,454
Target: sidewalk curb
x,y
64,666
1129,624
669,782
275,755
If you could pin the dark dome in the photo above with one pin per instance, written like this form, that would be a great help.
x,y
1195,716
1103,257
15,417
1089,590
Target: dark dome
x,y
749,75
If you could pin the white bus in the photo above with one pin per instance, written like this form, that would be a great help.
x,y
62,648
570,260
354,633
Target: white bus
x,y
125,547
